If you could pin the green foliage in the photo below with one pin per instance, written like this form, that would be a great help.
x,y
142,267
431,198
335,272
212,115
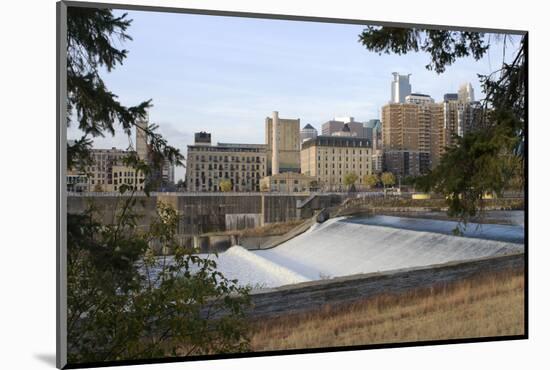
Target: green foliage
x,y
408,180
125,302
350,178
480,163
371,180
443,46
91,37
226,185
388,179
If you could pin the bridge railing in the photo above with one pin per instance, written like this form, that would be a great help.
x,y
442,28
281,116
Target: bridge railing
x,y
202,194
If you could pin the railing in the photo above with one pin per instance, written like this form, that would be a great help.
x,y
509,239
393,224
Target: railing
x,y
233,193
363,194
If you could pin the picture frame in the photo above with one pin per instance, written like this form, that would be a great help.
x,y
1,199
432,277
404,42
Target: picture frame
x,y
62,345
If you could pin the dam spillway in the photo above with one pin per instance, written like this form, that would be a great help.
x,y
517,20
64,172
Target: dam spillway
x,y
348,246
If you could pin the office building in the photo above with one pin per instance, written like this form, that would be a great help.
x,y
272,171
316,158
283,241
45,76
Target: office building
x,y
450,96
307,132
373,130
331,127
455,119
128,176
374,133
400,87
329,159
415,135
346,132
105,173
208,165
77,182
107,170
466,93
100,170
407,131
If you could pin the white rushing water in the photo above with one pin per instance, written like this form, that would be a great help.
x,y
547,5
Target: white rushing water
x,y
341,247
251,268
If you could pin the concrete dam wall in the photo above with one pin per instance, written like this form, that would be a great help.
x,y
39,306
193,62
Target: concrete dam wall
x,y
207,212
239,221
108,205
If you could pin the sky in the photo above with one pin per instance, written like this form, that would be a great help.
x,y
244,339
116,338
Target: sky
x,y
224,75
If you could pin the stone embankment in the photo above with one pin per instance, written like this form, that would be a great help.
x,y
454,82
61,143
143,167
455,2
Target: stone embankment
x,y
316,294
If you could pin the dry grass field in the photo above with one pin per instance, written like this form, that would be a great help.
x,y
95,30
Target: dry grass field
x,y
486,305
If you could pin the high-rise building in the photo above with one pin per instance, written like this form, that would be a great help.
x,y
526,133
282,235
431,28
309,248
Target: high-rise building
x,y
373,128
208,165
407,137
357,129
330,158
416,135
283,154
450,96
346,131
466,93
168,172
163,178
308,132
400,88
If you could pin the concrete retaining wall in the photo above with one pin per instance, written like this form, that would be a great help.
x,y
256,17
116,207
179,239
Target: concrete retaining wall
x,y
280,208
313,295
107,207
216,212
206,213
240,221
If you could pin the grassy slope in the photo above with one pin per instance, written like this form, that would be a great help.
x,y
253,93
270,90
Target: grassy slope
x,y
490,305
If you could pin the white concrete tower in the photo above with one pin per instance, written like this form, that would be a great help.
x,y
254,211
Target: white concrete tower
x,y
466,93
400,87
141,137
275,145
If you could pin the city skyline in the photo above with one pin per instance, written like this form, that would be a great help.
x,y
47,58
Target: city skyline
x,y
225,75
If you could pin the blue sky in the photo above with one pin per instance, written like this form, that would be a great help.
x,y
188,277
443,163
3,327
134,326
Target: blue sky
x,y
224,75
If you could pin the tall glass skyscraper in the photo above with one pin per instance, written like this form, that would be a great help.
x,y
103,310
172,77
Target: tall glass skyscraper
x,y
400,88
